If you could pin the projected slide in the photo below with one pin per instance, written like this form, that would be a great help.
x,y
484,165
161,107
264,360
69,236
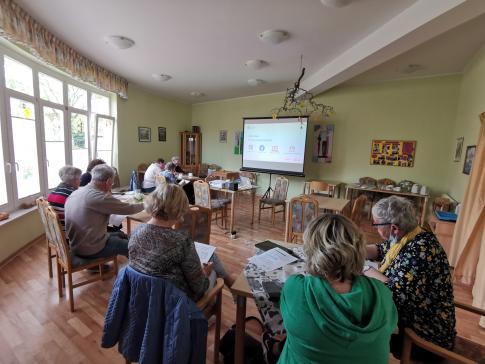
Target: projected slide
x,y
275,144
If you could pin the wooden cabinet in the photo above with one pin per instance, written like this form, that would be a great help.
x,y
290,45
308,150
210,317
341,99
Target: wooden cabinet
x,y
443,231
190,152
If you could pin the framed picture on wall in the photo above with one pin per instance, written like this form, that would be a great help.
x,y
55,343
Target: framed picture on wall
x,y
144,134
458,149
222,136
469,156
162,134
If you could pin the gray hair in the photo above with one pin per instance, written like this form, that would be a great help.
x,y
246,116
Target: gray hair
x,y
175,158
102,172
167,202
68,174
396,210
170,166
335,247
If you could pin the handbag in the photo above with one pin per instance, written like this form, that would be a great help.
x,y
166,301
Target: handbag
x,y
253,350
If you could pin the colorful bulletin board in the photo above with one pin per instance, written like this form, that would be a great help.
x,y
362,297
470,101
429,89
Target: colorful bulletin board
x,y
399,153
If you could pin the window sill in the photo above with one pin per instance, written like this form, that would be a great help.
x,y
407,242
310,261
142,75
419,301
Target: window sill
x,y
17,214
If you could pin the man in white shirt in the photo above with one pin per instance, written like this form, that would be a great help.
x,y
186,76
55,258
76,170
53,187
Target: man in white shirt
x,y
153,170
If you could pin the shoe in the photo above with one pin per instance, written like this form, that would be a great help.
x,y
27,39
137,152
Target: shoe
x,y
105,267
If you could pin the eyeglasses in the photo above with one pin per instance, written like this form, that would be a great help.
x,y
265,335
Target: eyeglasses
x,y
381,224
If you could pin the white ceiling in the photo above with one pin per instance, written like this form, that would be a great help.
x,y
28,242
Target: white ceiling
x,y
203,44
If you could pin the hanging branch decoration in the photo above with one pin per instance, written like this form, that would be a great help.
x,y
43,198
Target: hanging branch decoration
x,y
299,101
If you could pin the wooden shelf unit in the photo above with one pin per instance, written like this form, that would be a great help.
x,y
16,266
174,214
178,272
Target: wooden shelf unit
x,y
190,152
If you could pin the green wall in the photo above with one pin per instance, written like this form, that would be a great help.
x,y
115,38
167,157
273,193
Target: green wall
x,y
471,103
423,110
146,109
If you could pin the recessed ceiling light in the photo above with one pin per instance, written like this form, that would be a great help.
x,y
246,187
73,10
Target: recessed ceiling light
x,y
196,94
273,36
161,77
119,42
255,82
336,3
255,64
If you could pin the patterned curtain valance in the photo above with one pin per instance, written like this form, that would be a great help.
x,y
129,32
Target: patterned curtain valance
x,y
18,26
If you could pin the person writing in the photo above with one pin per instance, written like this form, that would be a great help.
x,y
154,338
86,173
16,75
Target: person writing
x,y
335,314
153,170
416,269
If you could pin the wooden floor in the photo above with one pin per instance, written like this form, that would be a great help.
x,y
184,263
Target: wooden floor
x,y
37,327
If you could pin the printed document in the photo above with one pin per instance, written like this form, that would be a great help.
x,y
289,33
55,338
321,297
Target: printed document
x,y
272,259
204,251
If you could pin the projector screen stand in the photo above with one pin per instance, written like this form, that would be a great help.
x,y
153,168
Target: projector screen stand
x,y
267,194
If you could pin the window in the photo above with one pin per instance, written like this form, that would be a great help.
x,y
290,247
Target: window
x,y
41,130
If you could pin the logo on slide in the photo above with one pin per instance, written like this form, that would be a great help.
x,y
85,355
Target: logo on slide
x,y
291,149
274,148
261,148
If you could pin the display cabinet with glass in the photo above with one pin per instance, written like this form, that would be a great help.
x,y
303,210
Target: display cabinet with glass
x,y
190,152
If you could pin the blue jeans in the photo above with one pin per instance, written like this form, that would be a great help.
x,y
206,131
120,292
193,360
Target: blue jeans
x,y
117,244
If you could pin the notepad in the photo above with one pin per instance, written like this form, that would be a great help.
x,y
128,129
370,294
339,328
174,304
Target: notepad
x,y
204,251
272,259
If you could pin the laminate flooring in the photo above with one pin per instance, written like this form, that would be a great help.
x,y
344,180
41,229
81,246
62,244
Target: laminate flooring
x,y
37,327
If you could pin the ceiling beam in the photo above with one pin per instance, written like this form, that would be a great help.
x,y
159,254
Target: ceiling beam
x,y
419,23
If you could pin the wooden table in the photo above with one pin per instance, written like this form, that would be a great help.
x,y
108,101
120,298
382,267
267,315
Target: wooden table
x,y
422,199
233,198
241,290
336,205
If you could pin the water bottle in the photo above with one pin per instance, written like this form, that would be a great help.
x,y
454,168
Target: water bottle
x,y
134,181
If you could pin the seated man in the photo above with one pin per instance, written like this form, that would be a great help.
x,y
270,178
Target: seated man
x,y
153,170
176,161
70,180
87,213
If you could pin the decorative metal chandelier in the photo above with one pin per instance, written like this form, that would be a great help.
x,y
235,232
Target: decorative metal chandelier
x,y
300,102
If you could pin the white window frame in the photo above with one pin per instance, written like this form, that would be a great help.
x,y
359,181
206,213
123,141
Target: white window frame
x,y
5,121
98,116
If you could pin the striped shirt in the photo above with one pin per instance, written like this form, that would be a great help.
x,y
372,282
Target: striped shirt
x,y
57,199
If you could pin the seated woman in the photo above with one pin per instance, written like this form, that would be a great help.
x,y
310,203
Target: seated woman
x,y
156,249
86,177
415,267
335,314
169,173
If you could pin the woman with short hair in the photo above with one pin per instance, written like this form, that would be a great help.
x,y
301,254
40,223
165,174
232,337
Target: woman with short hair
x,y
335,314
156,249
86,177
416,269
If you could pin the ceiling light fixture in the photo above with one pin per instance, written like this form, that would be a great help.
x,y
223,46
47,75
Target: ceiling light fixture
x,y
336,3
161,77
300,102
255,64
119,42
196,94
411,68
255,82
273,36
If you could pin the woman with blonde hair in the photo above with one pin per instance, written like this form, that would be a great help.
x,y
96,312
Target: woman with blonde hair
x,y
335,314
156,249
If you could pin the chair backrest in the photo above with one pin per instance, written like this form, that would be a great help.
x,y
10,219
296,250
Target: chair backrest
x,y
202,194
303,209
320,187
160,180
197,224
59,240
441,204
42,205
280,189
142,167
357,209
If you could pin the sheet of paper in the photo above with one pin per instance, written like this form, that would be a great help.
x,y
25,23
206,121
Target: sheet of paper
x,y
204,251
272,259
372,264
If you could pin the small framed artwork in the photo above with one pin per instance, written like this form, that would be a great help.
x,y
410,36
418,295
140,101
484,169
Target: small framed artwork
x,y
144,134
458,149
162,134
469,156
222,136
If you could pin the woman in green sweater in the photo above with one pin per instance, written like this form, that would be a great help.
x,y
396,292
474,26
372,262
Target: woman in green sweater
x,y
336,315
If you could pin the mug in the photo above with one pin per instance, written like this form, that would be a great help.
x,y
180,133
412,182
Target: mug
x,y
415,188
424,190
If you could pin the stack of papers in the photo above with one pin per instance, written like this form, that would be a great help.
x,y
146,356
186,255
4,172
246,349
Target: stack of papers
x,y
204,251
272,259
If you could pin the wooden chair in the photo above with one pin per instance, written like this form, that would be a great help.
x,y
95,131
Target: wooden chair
x,y
358,209
317,187
277,199
42,205
140,172
197,224
160,180
465,350
303,209
203,198
68,264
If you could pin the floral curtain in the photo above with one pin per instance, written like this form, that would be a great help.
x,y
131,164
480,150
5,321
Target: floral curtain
x,y
19,27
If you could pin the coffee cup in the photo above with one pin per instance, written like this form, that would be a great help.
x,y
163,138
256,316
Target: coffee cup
x,y
415,188
424,190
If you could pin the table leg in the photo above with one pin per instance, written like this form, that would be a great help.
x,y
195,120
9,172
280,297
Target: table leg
x,y
240,329
231,227
253,200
